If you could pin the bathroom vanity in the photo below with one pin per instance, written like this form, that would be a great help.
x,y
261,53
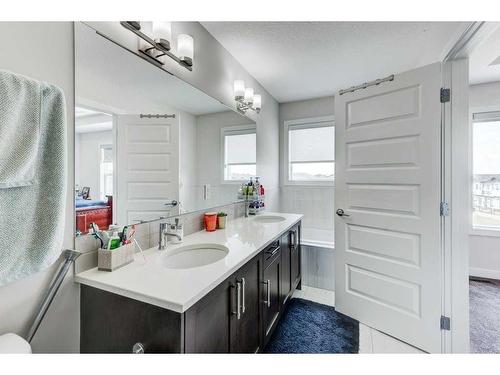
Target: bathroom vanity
x,y
232,305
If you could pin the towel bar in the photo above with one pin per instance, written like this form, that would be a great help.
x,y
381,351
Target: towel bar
x,y
69,257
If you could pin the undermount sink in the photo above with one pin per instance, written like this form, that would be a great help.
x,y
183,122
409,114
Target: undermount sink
x,y
191,256
269,219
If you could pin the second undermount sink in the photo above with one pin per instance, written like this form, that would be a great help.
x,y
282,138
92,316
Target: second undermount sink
x,y
269,219
197,255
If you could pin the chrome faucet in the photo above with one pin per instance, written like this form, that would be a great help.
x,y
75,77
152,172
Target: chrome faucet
x,y
162,243
162,240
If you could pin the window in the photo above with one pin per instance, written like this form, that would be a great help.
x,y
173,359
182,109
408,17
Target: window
x,y
486,171
105,171
310,151
239,153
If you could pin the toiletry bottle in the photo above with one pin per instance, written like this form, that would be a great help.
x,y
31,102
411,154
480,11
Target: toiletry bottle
x,y
114,241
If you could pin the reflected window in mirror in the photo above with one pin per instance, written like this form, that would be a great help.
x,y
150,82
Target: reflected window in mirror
x,y
239,153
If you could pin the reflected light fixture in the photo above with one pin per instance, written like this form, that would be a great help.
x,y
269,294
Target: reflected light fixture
x,y
185,48
155,43
239,89
245,97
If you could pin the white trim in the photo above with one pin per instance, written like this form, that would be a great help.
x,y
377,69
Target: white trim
x,y
457,192
484,232
321,244
484,272
233,130
304,123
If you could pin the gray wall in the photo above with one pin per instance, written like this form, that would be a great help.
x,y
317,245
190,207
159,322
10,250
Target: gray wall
x,y
315,202
484,250
214,72
48,58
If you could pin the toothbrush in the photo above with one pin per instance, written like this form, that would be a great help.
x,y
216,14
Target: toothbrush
x,y
96,234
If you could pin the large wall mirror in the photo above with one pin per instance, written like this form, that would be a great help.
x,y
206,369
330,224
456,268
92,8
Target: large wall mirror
x,y
133,166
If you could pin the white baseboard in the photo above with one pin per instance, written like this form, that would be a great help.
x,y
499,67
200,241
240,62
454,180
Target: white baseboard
x,y
326,297
484,272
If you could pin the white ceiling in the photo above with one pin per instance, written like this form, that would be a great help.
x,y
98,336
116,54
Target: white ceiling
x,y
302,60
90,121
484,61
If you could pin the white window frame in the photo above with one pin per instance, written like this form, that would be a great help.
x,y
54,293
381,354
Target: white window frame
x,y
233,130
479,230
304,123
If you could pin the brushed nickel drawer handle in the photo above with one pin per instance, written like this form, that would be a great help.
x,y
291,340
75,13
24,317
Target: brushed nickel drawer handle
x,y
274,251
238,300
243,308
268,300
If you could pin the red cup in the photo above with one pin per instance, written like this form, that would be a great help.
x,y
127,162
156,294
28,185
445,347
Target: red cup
x,y
210,221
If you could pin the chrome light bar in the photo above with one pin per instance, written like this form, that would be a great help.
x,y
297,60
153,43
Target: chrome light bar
x,y
156,49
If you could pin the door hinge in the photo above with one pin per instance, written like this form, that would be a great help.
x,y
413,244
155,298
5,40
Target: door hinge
x,y
444,209
445,95
445,323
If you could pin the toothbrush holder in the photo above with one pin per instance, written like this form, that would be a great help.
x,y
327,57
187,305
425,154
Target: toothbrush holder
x,y
110,260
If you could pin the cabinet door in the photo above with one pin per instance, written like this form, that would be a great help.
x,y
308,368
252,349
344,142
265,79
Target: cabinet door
x,y
271,297
207,323
286,282
245,324
295,256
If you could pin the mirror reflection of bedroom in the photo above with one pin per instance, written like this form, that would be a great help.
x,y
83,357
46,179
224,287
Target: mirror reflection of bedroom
x,y
94,156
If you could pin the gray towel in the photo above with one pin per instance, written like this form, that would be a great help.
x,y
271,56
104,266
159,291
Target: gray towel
x,y
32,174
19,129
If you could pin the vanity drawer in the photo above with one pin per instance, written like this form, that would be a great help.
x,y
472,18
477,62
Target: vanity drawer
x,y
272,252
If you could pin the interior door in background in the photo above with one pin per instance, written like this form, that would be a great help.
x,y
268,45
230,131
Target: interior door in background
x,y
147,164
388,243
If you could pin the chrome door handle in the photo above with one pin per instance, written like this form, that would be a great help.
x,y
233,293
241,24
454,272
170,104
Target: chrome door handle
x,y
243,308
238,300
268,299
341,212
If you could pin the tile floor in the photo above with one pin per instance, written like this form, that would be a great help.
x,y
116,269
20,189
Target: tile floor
x,y
370,340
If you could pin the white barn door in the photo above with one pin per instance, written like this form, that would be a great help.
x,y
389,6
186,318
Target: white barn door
x,y
147,167
387,181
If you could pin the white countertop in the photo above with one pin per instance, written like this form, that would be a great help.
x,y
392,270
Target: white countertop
x,y
178,289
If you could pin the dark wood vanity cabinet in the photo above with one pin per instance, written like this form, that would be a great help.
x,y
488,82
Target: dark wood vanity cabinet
x,y
295,257
286,281
290,263
245,315
227,320
238,316
206,324
271,296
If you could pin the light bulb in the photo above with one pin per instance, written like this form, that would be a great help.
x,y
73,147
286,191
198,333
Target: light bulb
x,y
162,34
249,96
257,102
185,48
239,89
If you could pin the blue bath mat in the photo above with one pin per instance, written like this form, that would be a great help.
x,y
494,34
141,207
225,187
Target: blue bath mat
x,y
310,327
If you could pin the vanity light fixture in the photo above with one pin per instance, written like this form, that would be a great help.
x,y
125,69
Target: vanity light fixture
x,y
157,46
162,33
245,98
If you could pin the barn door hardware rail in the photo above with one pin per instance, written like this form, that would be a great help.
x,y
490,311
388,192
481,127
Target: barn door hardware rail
x,y
367,84
157,46
142,115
